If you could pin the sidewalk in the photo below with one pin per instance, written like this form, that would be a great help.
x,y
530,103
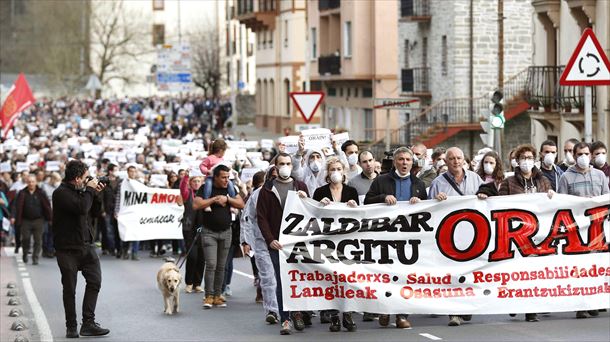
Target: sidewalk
x,y
8,274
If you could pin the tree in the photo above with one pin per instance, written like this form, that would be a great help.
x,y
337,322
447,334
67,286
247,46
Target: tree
x,y
118,39
205,60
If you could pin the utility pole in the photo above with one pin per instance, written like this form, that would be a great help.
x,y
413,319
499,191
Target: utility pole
x,y
498,133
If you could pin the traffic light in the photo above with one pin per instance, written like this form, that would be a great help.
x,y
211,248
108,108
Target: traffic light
x,y
488,136
496,109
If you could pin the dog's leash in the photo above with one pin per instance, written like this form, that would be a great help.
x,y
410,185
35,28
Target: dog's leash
x,y
190,248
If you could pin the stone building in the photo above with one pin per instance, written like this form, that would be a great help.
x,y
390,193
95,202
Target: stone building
x,y
557,111
280,58
449,60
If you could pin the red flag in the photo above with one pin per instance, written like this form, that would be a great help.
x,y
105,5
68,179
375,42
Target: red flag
x,y
19,98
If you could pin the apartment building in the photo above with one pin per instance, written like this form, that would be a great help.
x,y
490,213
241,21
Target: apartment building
x,y
353,58
557,112
280,28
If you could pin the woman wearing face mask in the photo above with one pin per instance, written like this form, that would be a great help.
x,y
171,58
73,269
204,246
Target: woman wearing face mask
x,y
513,160
491,171
337,191
527,179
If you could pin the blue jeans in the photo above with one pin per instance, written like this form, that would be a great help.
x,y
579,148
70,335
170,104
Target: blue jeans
x,y
47,238
207,188
275,260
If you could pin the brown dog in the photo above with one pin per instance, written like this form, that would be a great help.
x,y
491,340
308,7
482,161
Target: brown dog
x,y
168,281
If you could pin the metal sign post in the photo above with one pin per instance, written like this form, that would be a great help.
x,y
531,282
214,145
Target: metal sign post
x,y
588,114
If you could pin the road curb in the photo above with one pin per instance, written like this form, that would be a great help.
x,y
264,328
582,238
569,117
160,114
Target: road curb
x,y
14,324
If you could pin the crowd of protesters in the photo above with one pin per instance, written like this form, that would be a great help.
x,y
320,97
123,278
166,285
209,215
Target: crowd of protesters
x,y
233,216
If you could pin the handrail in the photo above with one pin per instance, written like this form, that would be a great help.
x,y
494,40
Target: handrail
x,y
513,87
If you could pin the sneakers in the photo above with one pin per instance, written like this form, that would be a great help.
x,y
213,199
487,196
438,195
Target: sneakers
x,y
271,318
286,328
135,257
368,317
348,322
335,323
219,302
402,322
384,320
531,317
71,332
227,292
92,329
188,289
455,321
198,289
297,318
324,317
581,314
593,313
208,302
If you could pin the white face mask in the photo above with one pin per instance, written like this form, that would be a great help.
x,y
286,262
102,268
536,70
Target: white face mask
x,y
569,159
284,171
315,166
583,161
352,159
439,164
336,177
513,163
488,168
526,165
549,159
600,159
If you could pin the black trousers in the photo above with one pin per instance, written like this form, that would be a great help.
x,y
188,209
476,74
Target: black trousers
x,y
194,261
86,261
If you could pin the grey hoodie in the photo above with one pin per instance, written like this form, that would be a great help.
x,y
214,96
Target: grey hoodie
x,y
589,184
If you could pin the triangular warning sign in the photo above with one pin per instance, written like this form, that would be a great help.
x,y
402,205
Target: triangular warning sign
x,y
588,65
307,103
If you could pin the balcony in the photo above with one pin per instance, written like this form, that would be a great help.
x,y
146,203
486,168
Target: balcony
x,y
415,10
329,65
257,18
543,91
416,81
325,5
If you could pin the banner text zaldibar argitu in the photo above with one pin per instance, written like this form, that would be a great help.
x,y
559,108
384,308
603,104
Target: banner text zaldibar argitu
x,y
563,227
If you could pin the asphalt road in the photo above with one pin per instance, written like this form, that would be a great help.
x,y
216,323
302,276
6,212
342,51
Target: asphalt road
x,y
130,305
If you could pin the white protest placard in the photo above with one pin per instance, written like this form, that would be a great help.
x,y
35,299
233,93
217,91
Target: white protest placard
x,y
340,138
21,166
507,254
158,165
248,173
246,145
32,159
85,123
267,143
158,180
5,167
117,135
317,139
52,165
291,143
148,213
22,150
144,131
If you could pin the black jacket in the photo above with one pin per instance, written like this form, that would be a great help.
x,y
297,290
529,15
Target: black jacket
x,y
71,210
385,185
348,193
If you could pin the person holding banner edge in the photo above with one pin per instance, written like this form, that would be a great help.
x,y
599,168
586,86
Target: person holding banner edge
x,y
397,185
337,191
269,208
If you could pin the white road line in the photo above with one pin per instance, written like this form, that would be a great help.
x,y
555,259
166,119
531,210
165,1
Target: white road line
x,y
243,274
25,274
432,337
41,320
9,251
21,269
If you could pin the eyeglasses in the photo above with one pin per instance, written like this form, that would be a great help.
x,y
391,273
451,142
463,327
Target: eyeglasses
x,y
526,158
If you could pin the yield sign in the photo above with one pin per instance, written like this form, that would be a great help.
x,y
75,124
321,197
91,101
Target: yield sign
x,y
588,65
307,102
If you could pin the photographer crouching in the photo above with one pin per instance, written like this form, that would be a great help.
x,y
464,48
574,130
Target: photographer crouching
x,y
74,244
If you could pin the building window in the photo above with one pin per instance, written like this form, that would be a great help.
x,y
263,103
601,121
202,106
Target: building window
x,y
287,87
424,52
369,124
247,72
234,40
304,86
228,73
406,54
314,43
158,5
158,34
347,39
271,39
285,33
228,40
332,92
367,92
444,56
356,92
340,92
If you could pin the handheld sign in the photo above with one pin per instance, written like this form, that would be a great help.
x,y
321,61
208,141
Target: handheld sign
x,y
307,103
588,65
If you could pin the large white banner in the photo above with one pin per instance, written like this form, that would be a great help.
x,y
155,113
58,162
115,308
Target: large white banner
x,y
509,254
149,213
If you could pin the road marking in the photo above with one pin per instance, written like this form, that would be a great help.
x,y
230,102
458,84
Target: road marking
x,y
430,336
39,316
243,274
9,251
21,268
25,274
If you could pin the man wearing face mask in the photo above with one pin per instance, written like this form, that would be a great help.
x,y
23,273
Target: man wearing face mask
x,y
397,185
269,209
421,169
548,155
569,159
308,167
349,155
599,158
584,181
